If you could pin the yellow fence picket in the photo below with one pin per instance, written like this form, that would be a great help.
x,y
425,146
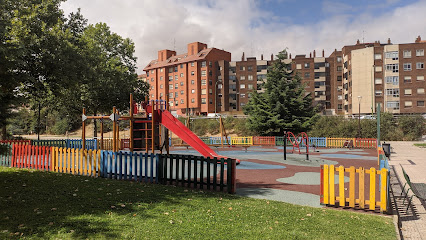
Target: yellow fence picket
x,y
326,184
332,186
372,201
346,196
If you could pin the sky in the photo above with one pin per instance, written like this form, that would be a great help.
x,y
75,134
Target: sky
x,y
255,27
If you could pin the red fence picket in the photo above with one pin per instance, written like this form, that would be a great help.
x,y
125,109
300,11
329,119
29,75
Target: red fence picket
x,y
365,143
264,141
27,156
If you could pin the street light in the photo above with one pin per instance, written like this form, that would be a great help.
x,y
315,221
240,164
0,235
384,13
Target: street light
x,y
215,97
359,116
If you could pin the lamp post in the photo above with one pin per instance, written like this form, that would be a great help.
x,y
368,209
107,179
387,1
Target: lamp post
x,y
359,116
215,98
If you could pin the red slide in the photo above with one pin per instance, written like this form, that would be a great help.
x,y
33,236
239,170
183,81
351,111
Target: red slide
x,y
178,128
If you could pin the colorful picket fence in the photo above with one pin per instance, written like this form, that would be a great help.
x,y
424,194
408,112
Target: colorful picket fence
x,y
366,143
371,191
267,141
76,161
141,167
30,156
242,141
50,142
21,142
198,172
191,171
339,142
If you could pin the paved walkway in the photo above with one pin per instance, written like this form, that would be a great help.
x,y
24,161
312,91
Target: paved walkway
x,y
413,159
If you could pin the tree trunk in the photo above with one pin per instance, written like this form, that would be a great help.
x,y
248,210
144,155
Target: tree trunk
x,y
3,133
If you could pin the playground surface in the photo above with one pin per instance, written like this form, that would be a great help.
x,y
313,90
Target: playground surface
x,y
263,172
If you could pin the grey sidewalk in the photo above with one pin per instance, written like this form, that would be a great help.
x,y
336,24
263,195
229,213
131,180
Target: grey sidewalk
x,y
413,159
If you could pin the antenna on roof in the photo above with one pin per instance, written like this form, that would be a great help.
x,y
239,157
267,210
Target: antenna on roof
x,y
363,36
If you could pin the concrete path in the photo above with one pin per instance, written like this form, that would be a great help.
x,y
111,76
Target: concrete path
x,y
413,159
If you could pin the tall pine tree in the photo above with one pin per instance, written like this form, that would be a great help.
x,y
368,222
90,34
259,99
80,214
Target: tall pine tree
x,y
284,105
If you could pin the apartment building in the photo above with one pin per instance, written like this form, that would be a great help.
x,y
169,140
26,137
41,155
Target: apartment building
x,y
349,81
190,80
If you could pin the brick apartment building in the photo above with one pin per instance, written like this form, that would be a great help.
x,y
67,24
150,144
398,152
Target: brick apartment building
x,y
189,79
359,76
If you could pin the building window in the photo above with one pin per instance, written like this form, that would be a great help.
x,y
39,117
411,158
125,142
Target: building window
x,y
339,68
249,68
407,79
192,82
392,80
210,91
407,92
161,86
203,73
306,65
420,103
181,75
377,68
339,106
242,86
152,71
170,69
420,65
170,78
171,86
392,67
181,101
181,66
181,83
170,95
339,59
420,91
298,66
250,86
203,91
242,95
393,92
192,90
420,78
176,85
176,69
203,82
161,95
193,100
152,87
420,52
407,53
378,93
176,94
339,78
192,64
203,101
242,68
242,77
377,56
392,105
407,66
392,55
161,78
308,75
192,73
250,77
203,63
152,95
182,92
378,81
152,79
219,86
408,104
176,77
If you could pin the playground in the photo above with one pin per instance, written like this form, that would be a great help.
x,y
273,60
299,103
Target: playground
x,y
263,172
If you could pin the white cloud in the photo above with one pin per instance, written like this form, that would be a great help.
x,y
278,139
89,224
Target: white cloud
x,y
241,26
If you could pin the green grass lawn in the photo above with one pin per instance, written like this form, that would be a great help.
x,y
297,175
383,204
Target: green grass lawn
x,y
422,145
47,205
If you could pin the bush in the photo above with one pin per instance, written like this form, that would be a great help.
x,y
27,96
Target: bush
x,y
61,127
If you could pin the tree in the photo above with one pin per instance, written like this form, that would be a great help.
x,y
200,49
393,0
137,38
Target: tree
x,y
284,105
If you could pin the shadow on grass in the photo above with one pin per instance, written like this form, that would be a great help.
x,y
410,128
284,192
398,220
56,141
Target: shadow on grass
x,y
45,204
